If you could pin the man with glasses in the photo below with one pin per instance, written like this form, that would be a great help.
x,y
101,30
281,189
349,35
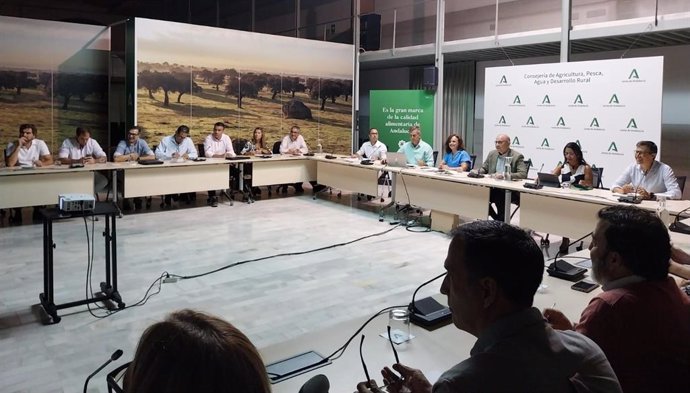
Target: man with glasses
x,y
131,150
494,165
493,271
648,178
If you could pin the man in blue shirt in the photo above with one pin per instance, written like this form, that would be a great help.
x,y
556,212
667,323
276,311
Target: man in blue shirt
x,y
416,150
131,150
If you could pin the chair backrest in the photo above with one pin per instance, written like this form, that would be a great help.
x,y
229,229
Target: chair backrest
x,y
238,144
276,147
529,165
435,156
473,158
681,183
200,150
597,174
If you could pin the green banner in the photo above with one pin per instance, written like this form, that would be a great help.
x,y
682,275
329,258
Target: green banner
x,y
393,112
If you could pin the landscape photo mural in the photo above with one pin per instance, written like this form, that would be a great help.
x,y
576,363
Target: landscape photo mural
x,y
55,76
197,75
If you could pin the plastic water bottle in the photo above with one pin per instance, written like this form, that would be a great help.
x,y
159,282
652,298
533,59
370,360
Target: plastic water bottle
x,y
661,210
319,148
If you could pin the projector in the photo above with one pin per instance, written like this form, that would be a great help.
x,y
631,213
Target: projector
x,y
76,202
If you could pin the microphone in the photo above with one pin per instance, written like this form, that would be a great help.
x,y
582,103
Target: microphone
x,y
316,384
679,227
116,355
428,313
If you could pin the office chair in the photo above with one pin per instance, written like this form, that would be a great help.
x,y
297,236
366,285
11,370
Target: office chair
x,y
681,183
435,157
517,199
473,159
283,187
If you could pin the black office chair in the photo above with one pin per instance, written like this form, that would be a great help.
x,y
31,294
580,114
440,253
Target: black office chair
x,y
473,159
281,187
435,157
681,183
597,174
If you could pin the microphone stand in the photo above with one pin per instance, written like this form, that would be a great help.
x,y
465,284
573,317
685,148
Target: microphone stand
x,y
116,355
431,314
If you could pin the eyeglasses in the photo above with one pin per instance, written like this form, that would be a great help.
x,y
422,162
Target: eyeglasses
x,y
641,153
361,356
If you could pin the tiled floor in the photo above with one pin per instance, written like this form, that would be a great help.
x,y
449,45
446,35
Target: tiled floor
x,y
270,300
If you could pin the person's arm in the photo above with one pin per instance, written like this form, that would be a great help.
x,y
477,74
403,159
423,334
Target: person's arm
x,y
303,148
679,270
485,166
284,145
520,167
146,152
429,157
465,161
557,170
64,153
382,152
190,149
671,184
162,151
119,154
44,156
98,154
557,319
229,150
623,184
13,157
360,153
588,181
443,164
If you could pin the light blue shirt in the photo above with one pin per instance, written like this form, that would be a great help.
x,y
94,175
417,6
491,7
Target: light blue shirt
x,y
659,179
455,160
140,147
421,152
168,146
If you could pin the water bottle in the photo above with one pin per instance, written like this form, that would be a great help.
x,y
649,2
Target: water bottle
x,y
661,210
319,148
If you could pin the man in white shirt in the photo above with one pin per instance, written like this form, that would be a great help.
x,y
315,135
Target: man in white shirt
x,y
373,149
84,150
177,146
27,150
648,178
81,149
217,145
294,143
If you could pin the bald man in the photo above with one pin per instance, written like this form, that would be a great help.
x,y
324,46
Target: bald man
x,y
493,165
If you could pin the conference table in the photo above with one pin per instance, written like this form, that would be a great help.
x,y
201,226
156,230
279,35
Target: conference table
x,y
448,194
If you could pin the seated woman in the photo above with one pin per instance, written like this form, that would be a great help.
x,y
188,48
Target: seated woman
x,y
456,158
574,168
195,352
256,145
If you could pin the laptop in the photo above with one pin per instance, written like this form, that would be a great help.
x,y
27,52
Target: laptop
x,y
396,159
548,179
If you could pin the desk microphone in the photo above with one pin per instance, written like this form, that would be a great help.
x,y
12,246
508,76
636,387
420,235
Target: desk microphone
x,y
541,168
634,199
427,312
116,355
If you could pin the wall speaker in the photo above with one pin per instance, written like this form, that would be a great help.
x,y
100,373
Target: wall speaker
x,y
430,78
370,32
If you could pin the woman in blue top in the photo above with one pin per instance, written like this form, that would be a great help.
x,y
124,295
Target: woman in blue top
x,y
456,157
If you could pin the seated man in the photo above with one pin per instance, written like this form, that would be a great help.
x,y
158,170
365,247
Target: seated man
x,y
417,152
641,320
217,145
493,165
648,178
373,149
27,150
84,150
295,145
178,146
494,270
132,149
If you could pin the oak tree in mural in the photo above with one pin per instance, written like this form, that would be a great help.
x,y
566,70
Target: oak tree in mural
x,y
16,80
68,85
243,86
169,82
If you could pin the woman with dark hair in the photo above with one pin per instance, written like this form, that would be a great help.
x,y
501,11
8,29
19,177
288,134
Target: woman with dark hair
x,y
195,352
574,168
256,145
456,157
